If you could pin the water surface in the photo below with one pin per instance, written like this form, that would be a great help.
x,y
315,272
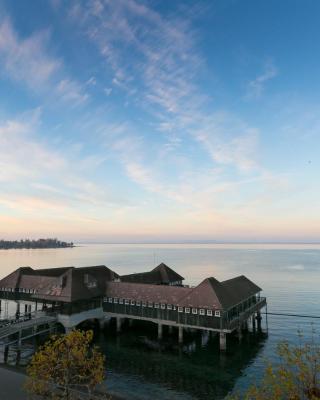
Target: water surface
x,y
137,365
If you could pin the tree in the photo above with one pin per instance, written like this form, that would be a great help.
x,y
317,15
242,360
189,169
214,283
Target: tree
x,y
65,366
295,377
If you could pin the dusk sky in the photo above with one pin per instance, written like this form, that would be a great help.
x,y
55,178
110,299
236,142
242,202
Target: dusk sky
x,y
131,120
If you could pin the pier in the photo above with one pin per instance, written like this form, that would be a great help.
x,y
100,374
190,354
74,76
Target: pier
x,y
70,296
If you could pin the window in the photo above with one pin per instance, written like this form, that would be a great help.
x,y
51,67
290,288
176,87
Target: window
x,y
138,303
110,300
187,310
209,313
120,301
115,300
150,304
201,311
126,301
133,302
144,304
156,305
163,306
217,313
169,306
180,309
194,311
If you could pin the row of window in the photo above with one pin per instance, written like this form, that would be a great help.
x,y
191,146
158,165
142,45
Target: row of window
x,y
21,290
162,306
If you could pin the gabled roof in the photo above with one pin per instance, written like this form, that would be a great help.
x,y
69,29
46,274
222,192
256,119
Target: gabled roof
x,y
162,274
206,295
220,295
65,284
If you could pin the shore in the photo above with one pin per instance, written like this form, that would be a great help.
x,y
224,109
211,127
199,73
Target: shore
x,y
11,384
12,381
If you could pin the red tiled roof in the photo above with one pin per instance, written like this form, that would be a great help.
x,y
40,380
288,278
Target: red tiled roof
x,y
146,292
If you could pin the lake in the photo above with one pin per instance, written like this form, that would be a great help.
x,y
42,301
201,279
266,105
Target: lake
x,y
138,365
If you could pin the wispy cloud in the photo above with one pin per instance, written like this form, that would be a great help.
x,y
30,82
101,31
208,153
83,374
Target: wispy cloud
x,y
26,60
256,87
33,174
29,61
163,79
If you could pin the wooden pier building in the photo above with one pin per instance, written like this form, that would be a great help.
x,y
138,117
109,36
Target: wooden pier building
x,y
73,295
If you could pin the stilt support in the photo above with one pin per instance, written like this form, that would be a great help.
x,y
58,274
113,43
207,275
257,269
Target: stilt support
x,y
253,323
223,341
159,331
119,324
101,323
259,318
180,334
239,330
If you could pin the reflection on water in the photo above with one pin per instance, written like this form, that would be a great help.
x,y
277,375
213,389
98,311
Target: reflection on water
x,y
138,366
197,368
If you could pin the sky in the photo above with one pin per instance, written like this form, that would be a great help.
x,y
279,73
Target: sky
x,y
158,120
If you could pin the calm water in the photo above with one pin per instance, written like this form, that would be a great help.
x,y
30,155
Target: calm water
x,y
139,366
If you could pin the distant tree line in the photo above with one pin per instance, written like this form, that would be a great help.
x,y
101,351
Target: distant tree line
x,y
34,244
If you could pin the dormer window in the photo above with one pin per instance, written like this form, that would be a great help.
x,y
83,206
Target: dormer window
x,y
217,314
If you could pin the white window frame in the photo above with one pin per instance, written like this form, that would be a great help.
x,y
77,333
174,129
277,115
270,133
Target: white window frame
x,y
209,313
110,300
120,301
156,305
132,302
163,306
194,311
126,302
138,303
169,306
180,309
115,300
187,310
202,311
217,313
144,304
150,304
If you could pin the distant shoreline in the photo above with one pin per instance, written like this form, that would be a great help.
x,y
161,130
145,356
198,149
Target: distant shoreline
x,y
34,244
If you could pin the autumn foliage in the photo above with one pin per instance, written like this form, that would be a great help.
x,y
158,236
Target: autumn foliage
x,y
295,377
66,365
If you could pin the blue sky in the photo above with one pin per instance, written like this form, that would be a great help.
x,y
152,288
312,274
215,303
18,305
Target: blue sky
x,y
151,120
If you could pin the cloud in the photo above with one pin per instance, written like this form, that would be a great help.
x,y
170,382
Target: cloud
x,y
256,87
26,60
33,173
29,61
71,92
161,76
